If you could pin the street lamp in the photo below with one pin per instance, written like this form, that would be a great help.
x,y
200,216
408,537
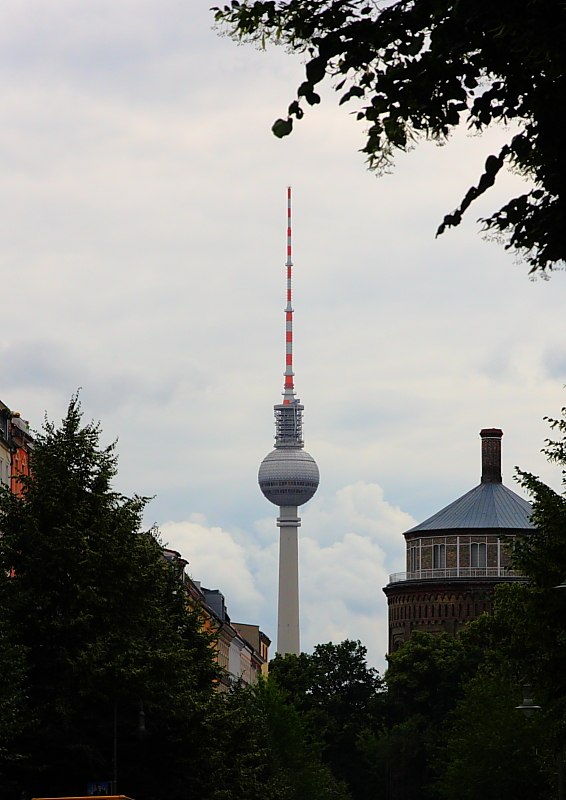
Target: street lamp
x,y
528,706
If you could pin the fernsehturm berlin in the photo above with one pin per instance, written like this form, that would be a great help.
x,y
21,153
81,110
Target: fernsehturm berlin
x,y
288,477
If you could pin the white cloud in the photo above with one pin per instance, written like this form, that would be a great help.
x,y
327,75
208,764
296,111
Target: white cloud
x,y
361,509
214,558
348,544
342,593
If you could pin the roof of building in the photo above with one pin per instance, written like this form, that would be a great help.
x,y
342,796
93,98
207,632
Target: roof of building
x,y
489,505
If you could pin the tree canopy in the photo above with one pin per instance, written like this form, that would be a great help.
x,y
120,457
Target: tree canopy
x,y
528,627
425,680
339,697
488,749
96,620
418,68
264,749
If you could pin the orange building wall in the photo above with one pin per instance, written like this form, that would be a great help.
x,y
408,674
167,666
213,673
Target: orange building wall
x,y
20,466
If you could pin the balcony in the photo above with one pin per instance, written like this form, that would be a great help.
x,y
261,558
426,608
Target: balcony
x,y
453,572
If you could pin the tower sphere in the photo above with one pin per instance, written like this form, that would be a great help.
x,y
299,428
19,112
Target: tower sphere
x,y
288,476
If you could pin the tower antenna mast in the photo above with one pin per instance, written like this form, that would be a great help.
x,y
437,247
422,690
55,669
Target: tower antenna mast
x,y
289,387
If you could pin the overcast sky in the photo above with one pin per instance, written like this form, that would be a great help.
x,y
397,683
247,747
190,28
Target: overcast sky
x,y
142,238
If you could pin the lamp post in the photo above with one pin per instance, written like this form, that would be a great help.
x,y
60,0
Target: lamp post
x,y
115,750
140,732
528,708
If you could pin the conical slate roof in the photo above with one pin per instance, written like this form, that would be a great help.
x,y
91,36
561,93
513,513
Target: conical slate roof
x,y
489,505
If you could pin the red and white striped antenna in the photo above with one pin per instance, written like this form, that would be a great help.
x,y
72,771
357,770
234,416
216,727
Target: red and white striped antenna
x,y
289,387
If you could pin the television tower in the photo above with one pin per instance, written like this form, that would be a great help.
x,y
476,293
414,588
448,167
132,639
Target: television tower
x,y
288,477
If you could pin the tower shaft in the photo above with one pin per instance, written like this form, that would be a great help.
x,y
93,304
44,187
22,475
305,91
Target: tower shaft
x,y
288,639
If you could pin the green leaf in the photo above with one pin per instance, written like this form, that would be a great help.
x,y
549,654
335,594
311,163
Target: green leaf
x,y
296,109
354,91
316,70
312,98
304,89
282,127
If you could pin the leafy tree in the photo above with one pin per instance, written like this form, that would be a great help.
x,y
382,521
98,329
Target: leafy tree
x,y
12,676
417,68
525,643
101,620
340,698
266,752
528,625
425,676
490,749
425,681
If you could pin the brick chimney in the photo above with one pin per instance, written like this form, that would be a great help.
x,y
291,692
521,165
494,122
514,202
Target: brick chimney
x,y
491,455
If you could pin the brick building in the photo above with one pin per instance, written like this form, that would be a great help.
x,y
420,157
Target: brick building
x,y
16,442
21,443
456,557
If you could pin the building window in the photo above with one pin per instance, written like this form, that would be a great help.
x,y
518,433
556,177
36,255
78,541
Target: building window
x,y
439,556
478,554
413,559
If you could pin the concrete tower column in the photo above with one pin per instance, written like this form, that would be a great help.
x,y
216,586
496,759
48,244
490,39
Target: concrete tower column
x,y
288,640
